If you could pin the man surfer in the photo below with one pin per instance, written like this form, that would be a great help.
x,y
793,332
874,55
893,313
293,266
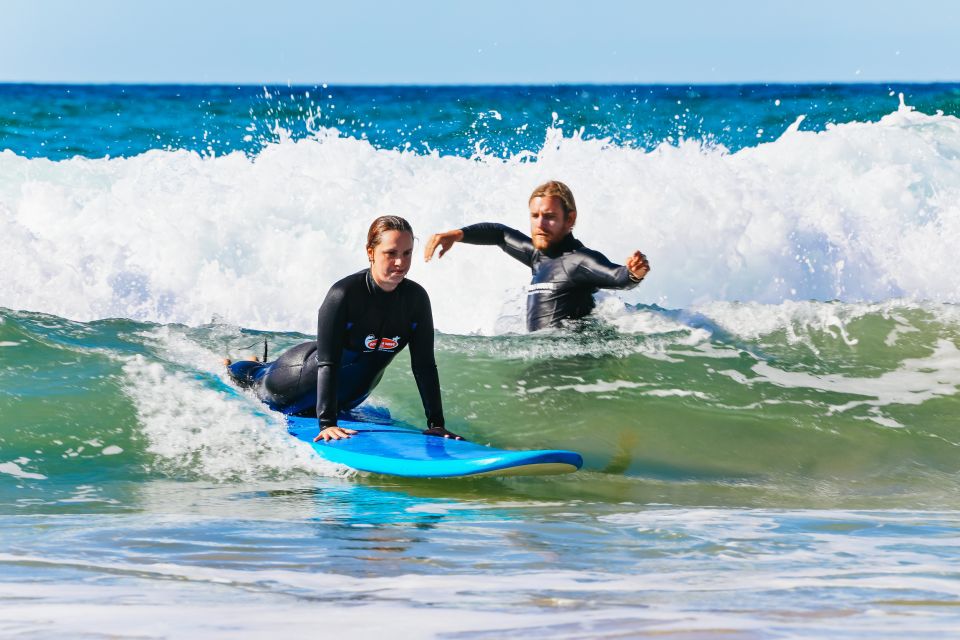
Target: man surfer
x,y
565,273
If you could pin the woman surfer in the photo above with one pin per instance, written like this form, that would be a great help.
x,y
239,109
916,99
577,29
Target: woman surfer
x,y
365,320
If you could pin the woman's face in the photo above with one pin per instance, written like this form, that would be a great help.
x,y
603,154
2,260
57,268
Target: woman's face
x,y
390,260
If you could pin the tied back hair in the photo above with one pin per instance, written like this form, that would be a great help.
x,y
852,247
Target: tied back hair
x,y
383,224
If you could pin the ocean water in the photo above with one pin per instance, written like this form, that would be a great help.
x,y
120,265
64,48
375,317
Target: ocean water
x,y
769,422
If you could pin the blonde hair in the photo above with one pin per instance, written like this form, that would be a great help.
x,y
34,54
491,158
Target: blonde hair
x,y
556,189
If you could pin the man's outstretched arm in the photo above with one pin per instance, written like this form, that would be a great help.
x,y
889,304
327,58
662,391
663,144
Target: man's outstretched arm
x,y
513,242
444,240
595,270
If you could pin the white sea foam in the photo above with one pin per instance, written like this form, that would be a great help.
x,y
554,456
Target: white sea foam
x,y
859,211
678,393
600,386
799,319
196,429
14,469
219,609
753,320
915,381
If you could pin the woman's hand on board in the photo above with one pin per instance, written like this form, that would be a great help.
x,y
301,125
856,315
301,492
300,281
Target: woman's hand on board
x,y
441,432
333,433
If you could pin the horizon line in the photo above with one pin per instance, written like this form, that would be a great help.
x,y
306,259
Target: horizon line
x,y
454,85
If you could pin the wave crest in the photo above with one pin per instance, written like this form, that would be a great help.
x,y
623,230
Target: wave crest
x,y
857,212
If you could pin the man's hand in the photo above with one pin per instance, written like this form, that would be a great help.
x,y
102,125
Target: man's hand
x,y
637,265
444,240
334,433
440,432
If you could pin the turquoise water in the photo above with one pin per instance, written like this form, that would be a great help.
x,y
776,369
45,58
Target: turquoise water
x,y
768,422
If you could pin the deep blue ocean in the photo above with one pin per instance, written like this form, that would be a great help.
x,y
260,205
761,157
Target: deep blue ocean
x,y
63,121
768,422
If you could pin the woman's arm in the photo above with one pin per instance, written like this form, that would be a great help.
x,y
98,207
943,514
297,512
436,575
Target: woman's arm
x,y
330,322
424,367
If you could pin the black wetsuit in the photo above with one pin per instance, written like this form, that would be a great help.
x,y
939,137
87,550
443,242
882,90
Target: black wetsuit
x,y
565,277
360,328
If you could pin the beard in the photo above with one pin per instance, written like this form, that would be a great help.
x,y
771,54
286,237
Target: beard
x,y
541,243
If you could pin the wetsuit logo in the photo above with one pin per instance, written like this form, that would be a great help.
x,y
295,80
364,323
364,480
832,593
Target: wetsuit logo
x,y
386,344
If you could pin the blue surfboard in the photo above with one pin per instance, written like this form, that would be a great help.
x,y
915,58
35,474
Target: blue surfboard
x,y
382,446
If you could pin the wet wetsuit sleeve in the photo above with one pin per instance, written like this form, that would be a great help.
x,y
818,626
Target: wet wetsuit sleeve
x,y
424,364
330,324
514,243
595,270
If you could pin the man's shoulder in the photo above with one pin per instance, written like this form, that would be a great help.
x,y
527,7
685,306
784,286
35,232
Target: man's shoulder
x,y
583,252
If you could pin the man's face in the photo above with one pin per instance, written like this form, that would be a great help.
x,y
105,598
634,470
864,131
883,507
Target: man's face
x,y
548,224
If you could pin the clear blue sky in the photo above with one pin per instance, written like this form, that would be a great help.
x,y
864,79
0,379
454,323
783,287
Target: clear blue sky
x,y
477,42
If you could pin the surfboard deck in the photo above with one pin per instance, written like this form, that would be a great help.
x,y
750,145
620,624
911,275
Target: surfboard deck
x,y
383,446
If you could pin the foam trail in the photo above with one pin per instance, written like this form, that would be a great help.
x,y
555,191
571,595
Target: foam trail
x,y
860,211
195,429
